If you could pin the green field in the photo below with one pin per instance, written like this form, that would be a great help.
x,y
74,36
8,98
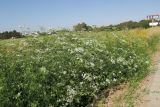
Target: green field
x,y
70,69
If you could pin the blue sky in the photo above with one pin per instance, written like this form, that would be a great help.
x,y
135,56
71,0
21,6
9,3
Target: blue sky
x,y
66,13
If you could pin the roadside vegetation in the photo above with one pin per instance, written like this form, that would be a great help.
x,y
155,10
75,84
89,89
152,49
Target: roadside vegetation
x,y
71,69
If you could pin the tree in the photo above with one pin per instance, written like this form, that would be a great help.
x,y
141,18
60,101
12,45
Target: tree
x,y
11,34
127,25
82,27
144,23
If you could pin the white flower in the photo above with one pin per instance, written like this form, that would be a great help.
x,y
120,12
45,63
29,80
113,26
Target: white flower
x,y
87,77
18,95
108,81
112,61
64,72
120,59
92,64
120,72
71,93
113,74
43,70
114,79
136,66
79,49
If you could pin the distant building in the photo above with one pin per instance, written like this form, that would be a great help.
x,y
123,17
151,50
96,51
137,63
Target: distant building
x,y
155,20
153,23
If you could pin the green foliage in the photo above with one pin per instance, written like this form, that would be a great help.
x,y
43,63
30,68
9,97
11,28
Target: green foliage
x,y
127,25
82,27
123,26
11,34
42,33
144,23
68,69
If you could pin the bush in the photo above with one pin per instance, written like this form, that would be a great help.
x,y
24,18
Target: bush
x,y
69,70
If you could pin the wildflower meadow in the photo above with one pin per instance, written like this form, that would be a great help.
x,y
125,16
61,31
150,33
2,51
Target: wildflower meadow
x,y
70,69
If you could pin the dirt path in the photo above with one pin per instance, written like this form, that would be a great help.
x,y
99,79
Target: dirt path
x,y
147,94
151,88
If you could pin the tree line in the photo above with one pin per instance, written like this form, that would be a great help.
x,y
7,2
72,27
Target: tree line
x,y
10,34
125,25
